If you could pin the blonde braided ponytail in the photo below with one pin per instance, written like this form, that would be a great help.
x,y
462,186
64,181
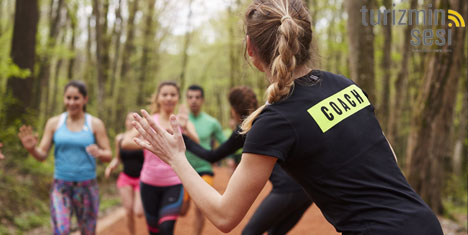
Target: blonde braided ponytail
x,y
280,31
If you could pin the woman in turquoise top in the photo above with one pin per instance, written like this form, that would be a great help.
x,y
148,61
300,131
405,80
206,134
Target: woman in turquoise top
x,y
79,140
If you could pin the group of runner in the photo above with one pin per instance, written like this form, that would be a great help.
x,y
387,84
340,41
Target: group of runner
x,y
316,138
147,185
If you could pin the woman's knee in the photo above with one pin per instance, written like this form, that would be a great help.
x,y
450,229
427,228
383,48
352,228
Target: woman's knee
x,y
138,212
129,212
63,228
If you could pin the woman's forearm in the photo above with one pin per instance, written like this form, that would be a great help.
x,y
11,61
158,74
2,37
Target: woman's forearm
x,y
192,136
206,197
105,155
227,210
38,154
224,211
129,144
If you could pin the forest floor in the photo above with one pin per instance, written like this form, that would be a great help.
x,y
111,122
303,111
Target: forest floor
x,y
313,222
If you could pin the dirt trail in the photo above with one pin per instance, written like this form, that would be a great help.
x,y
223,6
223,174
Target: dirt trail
x,y
312,222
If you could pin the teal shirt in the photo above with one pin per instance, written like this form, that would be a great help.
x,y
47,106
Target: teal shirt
x,y
207,128
72,161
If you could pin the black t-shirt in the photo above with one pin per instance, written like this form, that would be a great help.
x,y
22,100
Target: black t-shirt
x,y
280,180
326,136
132,161
283,183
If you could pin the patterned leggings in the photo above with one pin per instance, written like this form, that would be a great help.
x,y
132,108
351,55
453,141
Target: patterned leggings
x,y
80,198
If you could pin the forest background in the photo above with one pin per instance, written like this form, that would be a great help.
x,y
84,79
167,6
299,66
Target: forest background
x,y
122,49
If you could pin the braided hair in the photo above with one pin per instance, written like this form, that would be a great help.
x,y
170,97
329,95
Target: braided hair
x,y
280,31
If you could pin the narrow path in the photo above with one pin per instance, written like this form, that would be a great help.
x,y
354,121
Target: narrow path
x,y
312,222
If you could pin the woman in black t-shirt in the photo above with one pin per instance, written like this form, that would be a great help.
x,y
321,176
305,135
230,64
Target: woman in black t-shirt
x,y
284,206
320,127
128,182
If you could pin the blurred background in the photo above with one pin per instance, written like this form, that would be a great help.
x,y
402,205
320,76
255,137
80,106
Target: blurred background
x,y
122,49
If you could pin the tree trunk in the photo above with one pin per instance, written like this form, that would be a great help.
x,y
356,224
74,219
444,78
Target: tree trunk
x,y
234,50
129,47
313,9
73,25
100,73
105,51
185,56
461,130
401,89
116,33
128,51
53,104
23,51
42,95
42,90
386,66
361,46
331,43
429,140
147,48
115,79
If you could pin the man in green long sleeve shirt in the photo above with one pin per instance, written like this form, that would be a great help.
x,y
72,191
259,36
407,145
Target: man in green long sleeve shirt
x,y
208,128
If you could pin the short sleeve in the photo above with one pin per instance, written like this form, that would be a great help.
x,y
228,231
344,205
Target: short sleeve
x,y
271,135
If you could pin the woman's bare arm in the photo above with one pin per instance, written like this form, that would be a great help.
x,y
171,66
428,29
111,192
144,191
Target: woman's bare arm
x,y
29,139
127,141
191,132
101,149
224,211
227,210
116,160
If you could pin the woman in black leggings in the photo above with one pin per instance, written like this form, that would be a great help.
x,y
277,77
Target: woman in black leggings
x,y
287,201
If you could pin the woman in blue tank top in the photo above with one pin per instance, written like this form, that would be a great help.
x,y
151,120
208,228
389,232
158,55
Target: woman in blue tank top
x,y
79,140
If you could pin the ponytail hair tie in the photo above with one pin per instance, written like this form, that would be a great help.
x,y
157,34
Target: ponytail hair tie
x,y
285,17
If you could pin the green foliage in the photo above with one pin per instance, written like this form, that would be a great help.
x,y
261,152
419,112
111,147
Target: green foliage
x,y
3,230
7,67
456,200
108,203
24,190
19,207
28,221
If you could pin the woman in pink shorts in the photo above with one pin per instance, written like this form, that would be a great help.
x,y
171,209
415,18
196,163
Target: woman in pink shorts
x,y
128,182
161,190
